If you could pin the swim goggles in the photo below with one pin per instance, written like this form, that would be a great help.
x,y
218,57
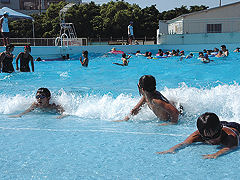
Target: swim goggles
x,y
40,96
216,135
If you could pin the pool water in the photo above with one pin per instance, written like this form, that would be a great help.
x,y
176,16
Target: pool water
x,y
88,145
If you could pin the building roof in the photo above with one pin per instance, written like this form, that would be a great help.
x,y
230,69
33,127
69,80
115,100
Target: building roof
x,y
198,12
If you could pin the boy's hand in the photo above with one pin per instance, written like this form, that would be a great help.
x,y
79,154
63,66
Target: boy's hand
x,y
210,156
125,119
15,116
166,152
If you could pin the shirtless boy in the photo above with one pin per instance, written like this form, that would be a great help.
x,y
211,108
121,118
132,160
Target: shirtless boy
x,y
43,97
161,107
214,132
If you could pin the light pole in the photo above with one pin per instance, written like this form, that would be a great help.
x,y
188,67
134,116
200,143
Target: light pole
x,y
220,3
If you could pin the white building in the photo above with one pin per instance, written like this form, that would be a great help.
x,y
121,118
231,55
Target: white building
x,y
205,26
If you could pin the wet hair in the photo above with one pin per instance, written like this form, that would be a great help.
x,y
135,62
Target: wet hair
x,y
223,46
28,47
138,51
208,121
149,53
44,91
9,46
146,53
85,53
148,83
124,55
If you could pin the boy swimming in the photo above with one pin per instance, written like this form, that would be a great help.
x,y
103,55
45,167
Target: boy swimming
x,y
124,59
212,131
43,97
161,107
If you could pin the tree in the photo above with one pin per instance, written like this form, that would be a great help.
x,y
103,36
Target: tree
x,y
107,20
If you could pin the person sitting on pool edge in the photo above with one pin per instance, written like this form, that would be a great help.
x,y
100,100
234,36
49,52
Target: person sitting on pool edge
x,y
124,59
212,131
84,62
161,107
43,97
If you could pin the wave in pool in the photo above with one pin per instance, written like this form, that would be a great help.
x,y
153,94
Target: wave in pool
x,y
224,100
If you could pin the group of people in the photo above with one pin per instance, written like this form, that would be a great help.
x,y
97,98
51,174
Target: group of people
x,y
6,60
210,129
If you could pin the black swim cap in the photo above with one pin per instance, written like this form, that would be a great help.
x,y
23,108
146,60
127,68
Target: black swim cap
x,y
44,91
208,121
148,83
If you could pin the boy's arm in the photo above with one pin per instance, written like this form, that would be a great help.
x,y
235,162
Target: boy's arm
x,y
32,107
81,60
32,63
194,137
135,110
60,110
1,58
231,143
17,61
220,152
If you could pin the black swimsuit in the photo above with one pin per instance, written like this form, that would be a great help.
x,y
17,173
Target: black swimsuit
x,y
7,66
24,63
232,125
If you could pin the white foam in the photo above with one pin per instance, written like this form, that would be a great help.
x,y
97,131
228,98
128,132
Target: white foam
x,y
224,100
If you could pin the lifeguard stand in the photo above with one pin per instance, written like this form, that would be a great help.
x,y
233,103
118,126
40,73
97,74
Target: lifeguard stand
x,y
67,31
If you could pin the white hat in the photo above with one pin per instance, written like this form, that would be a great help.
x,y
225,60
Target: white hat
x,y
5,13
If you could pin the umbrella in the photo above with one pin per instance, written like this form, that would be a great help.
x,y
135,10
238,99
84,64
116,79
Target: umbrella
x,y
16,15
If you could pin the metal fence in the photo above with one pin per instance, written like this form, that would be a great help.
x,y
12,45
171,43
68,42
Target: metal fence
x,y
77,41
121,41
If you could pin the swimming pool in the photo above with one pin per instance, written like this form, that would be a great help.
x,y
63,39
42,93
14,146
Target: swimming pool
x,y
88,145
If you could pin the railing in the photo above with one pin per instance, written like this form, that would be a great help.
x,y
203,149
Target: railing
x,y
64,41
121,41
46,41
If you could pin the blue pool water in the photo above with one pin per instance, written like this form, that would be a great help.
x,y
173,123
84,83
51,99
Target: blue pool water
x,y
88,145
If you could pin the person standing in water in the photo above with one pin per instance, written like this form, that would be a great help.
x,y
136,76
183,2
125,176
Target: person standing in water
x,y
85,61
161,107
6,59
25,58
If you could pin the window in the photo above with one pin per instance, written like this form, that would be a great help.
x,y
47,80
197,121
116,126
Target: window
x,y
5,1
214,28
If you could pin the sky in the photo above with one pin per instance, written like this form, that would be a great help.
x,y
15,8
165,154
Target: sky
x,y
164,5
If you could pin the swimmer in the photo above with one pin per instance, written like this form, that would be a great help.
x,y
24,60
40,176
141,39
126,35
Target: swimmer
x,y
204,58
124,59
161,107
25,58
214,132
6,59
220,54
138,53
189,56
237,49
224,49
84,62
149,55
43,97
